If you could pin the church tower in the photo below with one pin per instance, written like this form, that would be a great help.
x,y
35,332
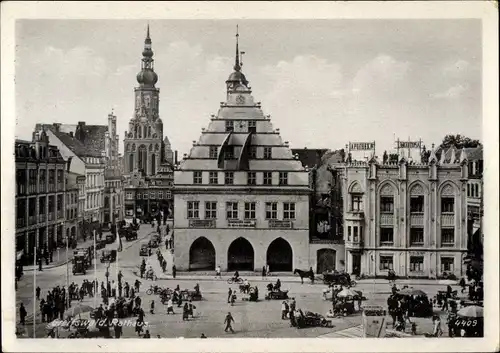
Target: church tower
x,y
144,138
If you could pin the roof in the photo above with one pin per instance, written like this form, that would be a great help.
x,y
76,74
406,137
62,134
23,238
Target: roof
x,y
474,153
87,141
310,157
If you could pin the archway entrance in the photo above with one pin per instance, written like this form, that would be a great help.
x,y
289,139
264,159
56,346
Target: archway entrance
x,y
202,255
280,256
326,260
240,256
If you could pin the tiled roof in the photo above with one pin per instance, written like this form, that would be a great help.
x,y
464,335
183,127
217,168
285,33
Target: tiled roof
x,y
310,157
93,137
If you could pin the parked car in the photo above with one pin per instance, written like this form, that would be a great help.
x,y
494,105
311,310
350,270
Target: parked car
x,y
110,238
79,264
108,256
144,251
100,244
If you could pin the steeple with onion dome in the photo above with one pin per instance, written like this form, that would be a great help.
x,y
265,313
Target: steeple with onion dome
x,y
237,79
147,77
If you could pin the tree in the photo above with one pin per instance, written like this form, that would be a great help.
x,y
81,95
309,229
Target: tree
x,y
425,155
393,158
458,141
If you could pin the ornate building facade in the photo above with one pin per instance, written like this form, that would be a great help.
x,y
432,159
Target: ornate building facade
x,y
409,217
40,196
241,196
149,171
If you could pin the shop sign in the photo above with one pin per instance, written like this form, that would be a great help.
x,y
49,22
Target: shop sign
x,y
201,223
274,223
241,223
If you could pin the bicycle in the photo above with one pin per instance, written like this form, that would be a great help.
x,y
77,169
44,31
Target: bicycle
x,y
233,280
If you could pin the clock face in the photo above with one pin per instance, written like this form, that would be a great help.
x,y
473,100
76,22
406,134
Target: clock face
x,y
240,99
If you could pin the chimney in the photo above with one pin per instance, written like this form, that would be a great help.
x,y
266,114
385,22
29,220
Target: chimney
x,y
57,126
175,158
71,134
81,123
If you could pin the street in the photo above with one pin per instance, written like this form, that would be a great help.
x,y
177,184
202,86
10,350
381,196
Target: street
x,y
211,310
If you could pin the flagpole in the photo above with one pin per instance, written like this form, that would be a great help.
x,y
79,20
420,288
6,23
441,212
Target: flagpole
x,y
34,297
95,273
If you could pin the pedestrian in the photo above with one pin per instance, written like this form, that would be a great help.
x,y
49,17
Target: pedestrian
x,y
233,298
38,290
284,310
40,264
152,307
170,306
22,314
118,330
462,284
293,305
203,336
147,334
229,295
268,273
185,312
191,308
291,314
164,265
228,320
137,285
217,272
174,271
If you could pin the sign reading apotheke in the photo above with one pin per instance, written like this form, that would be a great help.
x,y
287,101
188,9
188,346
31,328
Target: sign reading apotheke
x,y
241,223
361,146
409,144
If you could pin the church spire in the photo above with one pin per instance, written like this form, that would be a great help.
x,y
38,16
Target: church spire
x,y
237,66
147,76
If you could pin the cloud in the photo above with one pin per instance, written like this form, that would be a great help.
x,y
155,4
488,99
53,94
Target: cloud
x,y
453,92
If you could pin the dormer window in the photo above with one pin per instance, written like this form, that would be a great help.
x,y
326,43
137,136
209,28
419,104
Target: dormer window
x,y
229,126
252,126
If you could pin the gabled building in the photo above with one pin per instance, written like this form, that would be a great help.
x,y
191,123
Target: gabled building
x,y
85,146
241,196
408,217
147,157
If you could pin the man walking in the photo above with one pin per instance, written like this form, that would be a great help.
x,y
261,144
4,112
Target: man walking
x,y
217,272
228,320
22,314
38,290
174,271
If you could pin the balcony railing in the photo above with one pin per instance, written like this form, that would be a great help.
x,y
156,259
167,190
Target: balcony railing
x,y
386,219
327,240
354,215
416,219
447,220
386,243
42,217
354,243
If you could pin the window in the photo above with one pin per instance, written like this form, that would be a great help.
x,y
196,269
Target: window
x,y
41,205
416,236
416,263
267,152
229,125
357,202
251,178
213,178
288,210
416,204
139,195
229,153
447,264
476,188
21,181
252,126
386,263
447,204
447,236
231,210
160,195
193,209
386,236
168,194
283,178
210,210
355,237
268,178
250,210
152,195
468,190
197,178
271,210
31,181
43,180
60,180
387,204
349,233
213,152
229,178
253,152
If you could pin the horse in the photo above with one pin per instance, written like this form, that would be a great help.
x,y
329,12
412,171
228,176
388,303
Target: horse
x,y
304,274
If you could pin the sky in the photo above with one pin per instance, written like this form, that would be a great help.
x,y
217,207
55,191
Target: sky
x,y
324,82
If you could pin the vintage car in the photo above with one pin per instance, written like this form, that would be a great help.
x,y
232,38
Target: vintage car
x,y
144,251
108,256
154,242
84,255
131,235
110,238
310,319
190,295
79,265
335,277
276,294
100,244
